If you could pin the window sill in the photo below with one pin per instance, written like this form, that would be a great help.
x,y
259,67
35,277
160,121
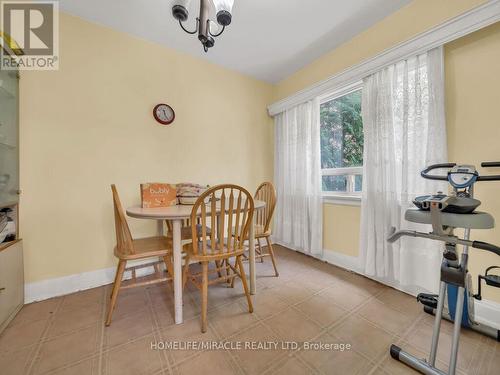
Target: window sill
x,y
344,200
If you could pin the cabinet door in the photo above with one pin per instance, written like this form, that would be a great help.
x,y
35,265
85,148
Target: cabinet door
x,y
9,133
11,281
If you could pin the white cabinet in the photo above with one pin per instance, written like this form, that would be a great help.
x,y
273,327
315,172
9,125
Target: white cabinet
x,y
11,282
9,138
11,250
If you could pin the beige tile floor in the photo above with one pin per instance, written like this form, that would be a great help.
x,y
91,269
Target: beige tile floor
x,y
310,301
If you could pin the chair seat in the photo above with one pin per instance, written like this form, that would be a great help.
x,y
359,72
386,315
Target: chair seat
x,y
212,254
258,231
148,247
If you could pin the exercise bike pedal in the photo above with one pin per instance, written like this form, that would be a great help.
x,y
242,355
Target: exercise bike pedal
x,y
493,280
428,300
489,279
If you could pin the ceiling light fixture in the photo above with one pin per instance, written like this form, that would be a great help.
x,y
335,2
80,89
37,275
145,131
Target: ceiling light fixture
x,y
223,15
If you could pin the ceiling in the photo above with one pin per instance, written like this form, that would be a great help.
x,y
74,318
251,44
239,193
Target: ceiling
x,y
268,39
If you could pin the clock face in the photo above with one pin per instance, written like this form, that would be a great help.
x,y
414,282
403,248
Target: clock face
x,y
164,114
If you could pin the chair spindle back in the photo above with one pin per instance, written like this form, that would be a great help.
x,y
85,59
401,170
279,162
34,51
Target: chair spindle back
x,y
225,202
267,193
123,236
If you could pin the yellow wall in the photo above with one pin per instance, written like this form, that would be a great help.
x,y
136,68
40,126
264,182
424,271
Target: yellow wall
x,y
472,78
341,228
89,125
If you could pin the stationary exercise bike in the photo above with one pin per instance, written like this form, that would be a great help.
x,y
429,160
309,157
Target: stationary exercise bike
x,y
445,213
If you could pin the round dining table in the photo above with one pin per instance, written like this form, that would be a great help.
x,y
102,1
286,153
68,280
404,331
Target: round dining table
x,y
176,214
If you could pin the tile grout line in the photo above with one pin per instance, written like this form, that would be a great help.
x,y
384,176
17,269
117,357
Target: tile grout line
x,y
157,332
390,333
218,335
40,341
293,306
232,356
95,355
72,364
229,337
280,356
323,330
397,339
275,366
327,329
297,303
104,300
421,319
174,365
45,338
81,360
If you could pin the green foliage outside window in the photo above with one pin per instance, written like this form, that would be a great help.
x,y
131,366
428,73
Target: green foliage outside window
x,y
341,137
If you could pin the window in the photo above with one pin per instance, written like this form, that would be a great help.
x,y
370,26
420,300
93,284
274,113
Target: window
x,y
342,144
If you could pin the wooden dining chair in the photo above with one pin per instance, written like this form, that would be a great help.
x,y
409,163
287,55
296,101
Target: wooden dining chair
x,y
262,227
235,204
263,218
129,249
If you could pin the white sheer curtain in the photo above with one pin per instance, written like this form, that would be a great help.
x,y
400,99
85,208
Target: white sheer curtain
x,y
404,127
298,222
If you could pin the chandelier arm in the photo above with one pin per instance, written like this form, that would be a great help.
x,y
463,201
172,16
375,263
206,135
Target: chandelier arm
x,y
187,31
219,33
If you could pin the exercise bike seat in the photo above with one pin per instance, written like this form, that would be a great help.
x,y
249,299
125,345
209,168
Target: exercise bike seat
x,y
475,220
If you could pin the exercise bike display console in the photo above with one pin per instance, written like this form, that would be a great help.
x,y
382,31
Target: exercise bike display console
x,y
446,203
455,301
462,176
459,177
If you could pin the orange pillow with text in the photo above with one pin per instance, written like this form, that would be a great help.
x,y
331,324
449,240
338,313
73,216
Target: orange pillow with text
x,y
156,194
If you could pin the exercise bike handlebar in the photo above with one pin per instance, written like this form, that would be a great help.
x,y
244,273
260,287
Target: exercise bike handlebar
x,y
394,236
486,164
486,246
490,164
425,172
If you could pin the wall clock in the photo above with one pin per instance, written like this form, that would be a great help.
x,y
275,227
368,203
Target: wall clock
x,y
164,114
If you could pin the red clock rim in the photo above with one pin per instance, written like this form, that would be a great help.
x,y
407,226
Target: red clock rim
x,y
160,120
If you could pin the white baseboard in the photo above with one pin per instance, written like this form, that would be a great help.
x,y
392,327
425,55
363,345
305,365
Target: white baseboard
x,y
487,313
342,260
351,263
60,286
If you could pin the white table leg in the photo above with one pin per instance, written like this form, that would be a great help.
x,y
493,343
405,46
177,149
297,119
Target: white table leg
x,y
251,257
177,247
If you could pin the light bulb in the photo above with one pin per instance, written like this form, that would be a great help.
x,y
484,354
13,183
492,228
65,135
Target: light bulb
x,y
180,10
223,10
